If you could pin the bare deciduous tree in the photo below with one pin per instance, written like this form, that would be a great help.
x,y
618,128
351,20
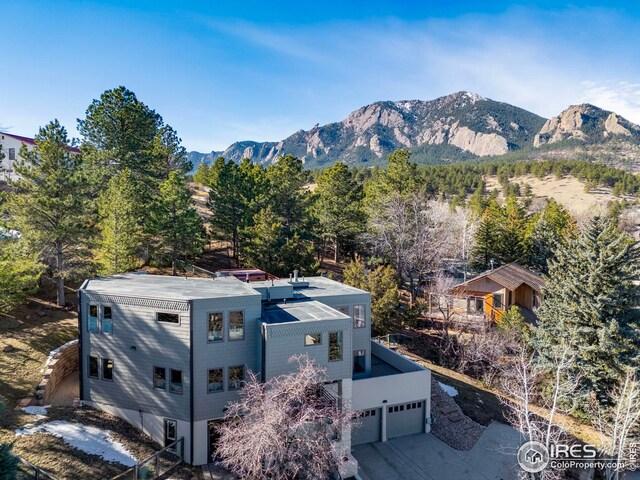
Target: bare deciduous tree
x,y
618,424
285,428
530,412
417,234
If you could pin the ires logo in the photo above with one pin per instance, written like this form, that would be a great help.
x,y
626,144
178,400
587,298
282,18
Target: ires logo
x,y
583,452
534,457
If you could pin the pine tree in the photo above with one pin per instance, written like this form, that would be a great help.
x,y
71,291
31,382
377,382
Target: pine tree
x,y
50,207
486,239
120,225
287,195
590,306
382,283
175,222
399,178
228,202
338,206
20,271
201,176
8,462
119,132
512,228
553,227
264,242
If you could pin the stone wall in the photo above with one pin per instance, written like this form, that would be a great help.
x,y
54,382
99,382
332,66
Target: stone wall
x,y
61,362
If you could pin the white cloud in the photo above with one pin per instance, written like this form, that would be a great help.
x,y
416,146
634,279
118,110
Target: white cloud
x,y
619,96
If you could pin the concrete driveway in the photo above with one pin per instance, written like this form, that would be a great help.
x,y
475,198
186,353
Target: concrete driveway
x,y
424,457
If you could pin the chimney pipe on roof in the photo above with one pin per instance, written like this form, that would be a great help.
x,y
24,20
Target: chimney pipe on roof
x,y
295,275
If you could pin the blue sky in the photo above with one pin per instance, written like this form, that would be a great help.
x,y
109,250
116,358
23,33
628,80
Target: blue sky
x,y
222,71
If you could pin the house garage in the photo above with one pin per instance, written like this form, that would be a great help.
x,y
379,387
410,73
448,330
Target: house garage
x,y
405,419
369,428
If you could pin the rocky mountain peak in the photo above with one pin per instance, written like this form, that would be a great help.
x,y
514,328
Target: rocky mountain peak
x,y
586,123
455,127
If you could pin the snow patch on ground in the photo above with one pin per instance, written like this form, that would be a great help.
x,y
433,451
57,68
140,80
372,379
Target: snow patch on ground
x,y
88,439
448,389
39,412
53,353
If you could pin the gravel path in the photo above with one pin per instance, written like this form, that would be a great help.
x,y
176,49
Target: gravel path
x,y
451,425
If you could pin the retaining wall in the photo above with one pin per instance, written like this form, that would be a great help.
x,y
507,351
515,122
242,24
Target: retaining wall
x,y
61,362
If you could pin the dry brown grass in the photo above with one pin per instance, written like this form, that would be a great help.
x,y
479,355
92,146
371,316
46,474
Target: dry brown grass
x,y
568,191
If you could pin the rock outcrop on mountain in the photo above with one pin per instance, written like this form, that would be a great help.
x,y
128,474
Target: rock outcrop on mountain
x,y
586,123
456,127
462,125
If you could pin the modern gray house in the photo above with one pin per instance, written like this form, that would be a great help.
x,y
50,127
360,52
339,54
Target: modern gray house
x,y
168,353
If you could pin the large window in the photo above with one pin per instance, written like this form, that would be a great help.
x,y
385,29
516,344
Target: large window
x,y
359,361
216,327
168,317
94,370
312,339
358,316
498,301
93,318
236,325
160,378
475,305
107,320
12,154
107,369
215,380
335,346
175,385
236,377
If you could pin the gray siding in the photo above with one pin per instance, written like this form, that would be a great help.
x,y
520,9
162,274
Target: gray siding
x,y
156,344
224,354
286,339
361,337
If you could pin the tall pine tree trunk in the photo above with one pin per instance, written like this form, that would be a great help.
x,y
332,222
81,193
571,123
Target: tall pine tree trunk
x,y
59,274
335,254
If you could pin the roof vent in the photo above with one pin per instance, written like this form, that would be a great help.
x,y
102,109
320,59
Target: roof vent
x,y
295,275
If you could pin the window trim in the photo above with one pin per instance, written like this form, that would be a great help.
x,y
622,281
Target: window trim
x,y
356,322
312,344
95,317
221,330
179,322
500,295
104,319
103,362
244,374
244,325
89,357
364,356
340,335
153,378
222,381
181,392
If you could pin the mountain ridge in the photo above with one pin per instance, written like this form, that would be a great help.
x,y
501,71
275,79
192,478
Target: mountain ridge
x,y
455,127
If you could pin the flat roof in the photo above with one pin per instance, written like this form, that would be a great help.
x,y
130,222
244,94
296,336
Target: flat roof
x,y
300,311
318,287
141,284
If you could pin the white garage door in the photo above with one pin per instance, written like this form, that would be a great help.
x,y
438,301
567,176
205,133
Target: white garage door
x,y
369,429
405,419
